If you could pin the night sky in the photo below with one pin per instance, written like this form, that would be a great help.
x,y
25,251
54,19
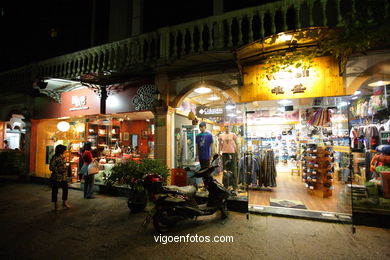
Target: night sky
x,y
37,30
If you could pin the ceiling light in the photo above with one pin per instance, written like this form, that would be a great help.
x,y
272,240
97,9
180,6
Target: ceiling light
x,y
63,126
284,102
379,83
202,90
355,97
80,127
214,98
232,114
357,92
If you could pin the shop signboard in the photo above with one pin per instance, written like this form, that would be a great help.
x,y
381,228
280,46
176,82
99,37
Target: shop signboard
x,y
207,112
319,80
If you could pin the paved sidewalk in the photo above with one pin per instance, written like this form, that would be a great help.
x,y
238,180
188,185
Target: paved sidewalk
x,y
103,228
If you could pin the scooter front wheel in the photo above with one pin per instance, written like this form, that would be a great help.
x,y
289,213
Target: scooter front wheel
x,y
224,210
161,222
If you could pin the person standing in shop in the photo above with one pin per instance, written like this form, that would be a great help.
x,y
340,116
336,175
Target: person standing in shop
x,y
228,147
204,146
59,176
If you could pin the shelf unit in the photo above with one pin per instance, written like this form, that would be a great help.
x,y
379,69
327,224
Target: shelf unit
x,y
318,169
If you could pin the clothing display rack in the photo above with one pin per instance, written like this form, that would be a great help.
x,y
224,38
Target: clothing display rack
x,y
258,170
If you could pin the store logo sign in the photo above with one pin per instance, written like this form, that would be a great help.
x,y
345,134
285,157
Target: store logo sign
x,y
205,112
79,103
293,80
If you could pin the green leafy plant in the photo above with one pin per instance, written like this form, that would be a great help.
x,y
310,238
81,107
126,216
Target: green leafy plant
x,y
358,34
131,172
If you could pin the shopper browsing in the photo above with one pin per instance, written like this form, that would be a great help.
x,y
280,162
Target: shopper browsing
x,y
88,179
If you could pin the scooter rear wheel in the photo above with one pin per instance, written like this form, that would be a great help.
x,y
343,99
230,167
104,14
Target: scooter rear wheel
x,y
160,222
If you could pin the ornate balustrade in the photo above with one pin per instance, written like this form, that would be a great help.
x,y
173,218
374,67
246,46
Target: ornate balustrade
x,y
223,32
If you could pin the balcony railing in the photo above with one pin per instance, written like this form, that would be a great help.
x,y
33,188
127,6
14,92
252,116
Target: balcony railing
x,y
223,32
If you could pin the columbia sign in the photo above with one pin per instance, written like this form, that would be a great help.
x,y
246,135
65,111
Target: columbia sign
x,y
209,111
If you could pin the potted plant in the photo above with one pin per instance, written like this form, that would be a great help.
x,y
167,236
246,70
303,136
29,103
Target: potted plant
x,y
130,173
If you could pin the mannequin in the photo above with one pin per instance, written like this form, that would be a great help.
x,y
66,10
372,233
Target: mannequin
x,y
228,147
204,146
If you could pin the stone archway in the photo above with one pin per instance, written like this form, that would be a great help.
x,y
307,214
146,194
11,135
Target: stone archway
x,y
214,84
377,71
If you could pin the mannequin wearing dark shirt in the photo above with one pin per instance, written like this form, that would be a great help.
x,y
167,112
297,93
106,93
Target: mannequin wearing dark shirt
x,y
204,146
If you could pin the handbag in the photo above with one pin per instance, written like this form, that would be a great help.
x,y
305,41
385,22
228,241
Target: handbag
x,y
93,168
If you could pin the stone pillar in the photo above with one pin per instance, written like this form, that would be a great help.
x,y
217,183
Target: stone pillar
x,y
217,7
119,24
163,119
136,17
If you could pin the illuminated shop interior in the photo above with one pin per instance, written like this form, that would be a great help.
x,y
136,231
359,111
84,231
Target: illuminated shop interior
x,y
116,137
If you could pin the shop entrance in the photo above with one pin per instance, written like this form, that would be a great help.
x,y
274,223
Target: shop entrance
x,y
296,155
291,154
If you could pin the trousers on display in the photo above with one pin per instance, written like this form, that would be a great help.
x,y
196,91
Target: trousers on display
x,y
229,165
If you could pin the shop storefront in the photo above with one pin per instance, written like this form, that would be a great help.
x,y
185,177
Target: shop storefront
x,y
368,79
125,132
292,135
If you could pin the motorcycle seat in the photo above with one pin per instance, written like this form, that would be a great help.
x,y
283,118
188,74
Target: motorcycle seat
x,y
186,190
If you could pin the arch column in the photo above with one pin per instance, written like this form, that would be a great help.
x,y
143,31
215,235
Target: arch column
x,y
163,137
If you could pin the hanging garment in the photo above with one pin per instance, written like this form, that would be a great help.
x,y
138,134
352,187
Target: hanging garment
x,y
248,169
268,173
371,137
354,137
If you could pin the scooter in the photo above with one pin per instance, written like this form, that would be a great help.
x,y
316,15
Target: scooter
x,y
173,203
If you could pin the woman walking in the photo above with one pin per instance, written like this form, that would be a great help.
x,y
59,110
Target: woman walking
x,y
59,176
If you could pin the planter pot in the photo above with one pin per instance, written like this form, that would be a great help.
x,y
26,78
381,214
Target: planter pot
x,y
137,199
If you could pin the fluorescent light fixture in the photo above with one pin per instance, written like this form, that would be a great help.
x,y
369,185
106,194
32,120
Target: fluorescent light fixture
x,y
203,90
231,114
280,108
214,98
113,101
285,37
379,83
357,92
355,97
284,102
230,106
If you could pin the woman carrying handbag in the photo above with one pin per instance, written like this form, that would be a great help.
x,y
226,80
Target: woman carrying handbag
x,y
89,179
59,177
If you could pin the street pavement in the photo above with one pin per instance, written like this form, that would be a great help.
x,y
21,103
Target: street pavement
x,y
103,228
